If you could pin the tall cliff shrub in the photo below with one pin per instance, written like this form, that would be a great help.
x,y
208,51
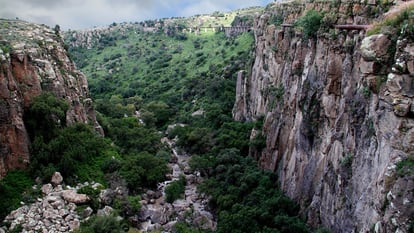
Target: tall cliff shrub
x,y
310,23
45,115
75,151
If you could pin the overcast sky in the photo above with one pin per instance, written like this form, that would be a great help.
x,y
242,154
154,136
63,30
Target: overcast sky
x,y
80,14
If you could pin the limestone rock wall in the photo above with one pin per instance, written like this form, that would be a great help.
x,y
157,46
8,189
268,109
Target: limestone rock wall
x,y
338,117
33,60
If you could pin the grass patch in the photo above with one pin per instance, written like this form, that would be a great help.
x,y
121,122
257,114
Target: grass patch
x,y
13,188
401,21
406,167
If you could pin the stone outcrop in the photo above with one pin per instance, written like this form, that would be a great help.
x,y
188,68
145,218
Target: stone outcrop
x,y
33,60
337,117
98,36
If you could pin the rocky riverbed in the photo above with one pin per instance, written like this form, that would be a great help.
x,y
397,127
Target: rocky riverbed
x,y
156,213
56,210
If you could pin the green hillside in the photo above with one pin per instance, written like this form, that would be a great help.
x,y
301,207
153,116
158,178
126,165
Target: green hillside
x,y
172,69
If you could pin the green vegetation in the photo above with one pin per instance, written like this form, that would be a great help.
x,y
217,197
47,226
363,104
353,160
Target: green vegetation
x,y
14,188
45,116
5,47
175,190
406,167
75,151
93,194
143,170
310,23
182,227
346,162
102,224
171,73
245,197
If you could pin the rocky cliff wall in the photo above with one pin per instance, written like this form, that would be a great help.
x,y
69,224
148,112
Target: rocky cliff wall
x,y
33,60
338,117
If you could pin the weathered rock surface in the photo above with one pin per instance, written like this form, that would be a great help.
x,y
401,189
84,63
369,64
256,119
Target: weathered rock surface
x,y
33,60
337,119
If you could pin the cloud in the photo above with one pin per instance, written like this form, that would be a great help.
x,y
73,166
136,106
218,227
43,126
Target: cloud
x,y
78,14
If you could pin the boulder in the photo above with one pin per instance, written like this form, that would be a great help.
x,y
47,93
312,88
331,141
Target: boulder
x,y
47,188
87,212
106,196
106,211
73,197
56,179
375,48
75,224
150,194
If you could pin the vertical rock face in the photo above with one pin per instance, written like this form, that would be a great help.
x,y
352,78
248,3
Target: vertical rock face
x,y
33,60
337,118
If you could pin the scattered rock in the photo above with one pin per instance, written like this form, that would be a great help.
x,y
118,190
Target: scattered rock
x,y
87,212
199,112
72,196
106,211
56,179
47,188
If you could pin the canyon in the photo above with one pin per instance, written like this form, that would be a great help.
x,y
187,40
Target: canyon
x,y
336,105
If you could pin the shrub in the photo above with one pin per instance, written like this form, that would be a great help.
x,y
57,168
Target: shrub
x,y
175,190
101,224
143,170
134,202
93,194
6,48
76,151
310,23
406,167
245,198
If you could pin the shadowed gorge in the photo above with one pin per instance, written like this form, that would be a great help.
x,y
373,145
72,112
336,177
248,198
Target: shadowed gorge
x,y
294,117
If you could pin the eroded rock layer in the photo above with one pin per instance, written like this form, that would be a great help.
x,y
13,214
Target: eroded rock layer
x,y
33,60
338,115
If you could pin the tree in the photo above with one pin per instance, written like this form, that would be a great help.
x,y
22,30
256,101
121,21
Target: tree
x,y
57,30
143,170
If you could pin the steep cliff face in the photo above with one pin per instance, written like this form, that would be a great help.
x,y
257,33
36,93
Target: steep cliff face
x,y
338,117
33,60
